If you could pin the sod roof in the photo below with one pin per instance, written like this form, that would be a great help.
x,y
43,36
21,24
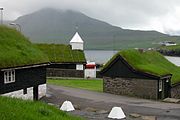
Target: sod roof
x,y
150,62
16,50
60,53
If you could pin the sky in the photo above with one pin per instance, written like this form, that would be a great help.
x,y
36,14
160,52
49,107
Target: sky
x,y
159,15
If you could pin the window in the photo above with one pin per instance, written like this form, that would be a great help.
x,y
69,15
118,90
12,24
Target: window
x,y
25,91
9,76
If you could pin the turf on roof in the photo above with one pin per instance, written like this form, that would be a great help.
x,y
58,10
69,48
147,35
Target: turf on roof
x,y
60,53
16,50
149,62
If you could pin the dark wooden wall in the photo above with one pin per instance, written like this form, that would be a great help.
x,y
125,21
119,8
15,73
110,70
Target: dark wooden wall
x,y
28,77
62,66
120,68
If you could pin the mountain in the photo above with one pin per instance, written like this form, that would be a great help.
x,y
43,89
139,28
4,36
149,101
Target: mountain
x,y
58,26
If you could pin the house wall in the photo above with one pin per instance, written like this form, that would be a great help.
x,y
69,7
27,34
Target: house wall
x,y
120,68
90,73
175,91
25,79
143,88
77,46
29,95
57,72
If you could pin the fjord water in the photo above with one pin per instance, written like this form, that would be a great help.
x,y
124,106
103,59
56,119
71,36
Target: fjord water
x,y
102,56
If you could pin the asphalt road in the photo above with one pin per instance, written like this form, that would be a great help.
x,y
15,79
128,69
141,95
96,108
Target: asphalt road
x,y
97,101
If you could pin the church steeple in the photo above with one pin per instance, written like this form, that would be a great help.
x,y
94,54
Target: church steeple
x,y
76,42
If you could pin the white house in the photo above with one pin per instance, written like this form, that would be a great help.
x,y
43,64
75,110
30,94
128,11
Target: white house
x,y
76,42
90,71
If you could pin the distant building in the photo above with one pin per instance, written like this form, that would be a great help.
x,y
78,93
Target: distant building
x,y
65,62
76,42
90,70
167,43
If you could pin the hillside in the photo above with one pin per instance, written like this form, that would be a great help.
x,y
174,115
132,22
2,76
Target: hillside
x,y
150,62
170,50
60,53
17,109
17,50
55,26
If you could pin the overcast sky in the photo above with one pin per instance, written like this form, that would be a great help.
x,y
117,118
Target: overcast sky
x,y
160,15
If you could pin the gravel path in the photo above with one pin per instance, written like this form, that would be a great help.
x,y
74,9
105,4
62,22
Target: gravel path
x,y
96,105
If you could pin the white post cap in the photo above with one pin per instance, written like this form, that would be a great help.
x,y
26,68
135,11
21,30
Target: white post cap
x,y
116,113
67,106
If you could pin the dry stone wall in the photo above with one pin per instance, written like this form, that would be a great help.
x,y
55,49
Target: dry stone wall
x,y
133,87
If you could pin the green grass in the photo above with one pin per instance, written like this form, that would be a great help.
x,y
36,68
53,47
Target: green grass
x,y
60,53
171,47
16,50
94,85
16,109
150,62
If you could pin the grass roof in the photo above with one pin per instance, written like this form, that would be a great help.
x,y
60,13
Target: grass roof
x,y
60,53
16,50
150,62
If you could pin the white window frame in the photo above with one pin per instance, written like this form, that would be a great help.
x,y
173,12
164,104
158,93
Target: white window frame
x,y
9,76
79,67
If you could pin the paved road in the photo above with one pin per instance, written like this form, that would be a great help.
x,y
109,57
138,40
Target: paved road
x,y
105,101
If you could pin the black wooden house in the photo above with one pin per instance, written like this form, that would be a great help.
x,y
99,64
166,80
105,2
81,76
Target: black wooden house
x,y
22,66
124,78
64,62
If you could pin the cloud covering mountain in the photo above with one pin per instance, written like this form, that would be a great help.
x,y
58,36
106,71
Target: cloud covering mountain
x,y
160,15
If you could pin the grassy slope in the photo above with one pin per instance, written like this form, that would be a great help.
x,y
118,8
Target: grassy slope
x,y
16,109
16,50
62,53
95,85
174,47
150,62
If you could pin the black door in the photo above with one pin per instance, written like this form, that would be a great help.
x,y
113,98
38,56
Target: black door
x,y
35,93
166,88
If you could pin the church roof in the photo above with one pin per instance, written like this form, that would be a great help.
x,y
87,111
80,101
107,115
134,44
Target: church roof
x,y
76,38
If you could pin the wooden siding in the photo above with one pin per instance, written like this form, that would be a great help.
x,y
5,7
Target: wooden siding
x,y
28,77
120,68
63,66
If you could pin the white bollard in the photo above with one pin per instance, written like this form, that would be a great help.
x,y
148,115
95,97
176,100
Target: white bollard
x,y
116,113
67,106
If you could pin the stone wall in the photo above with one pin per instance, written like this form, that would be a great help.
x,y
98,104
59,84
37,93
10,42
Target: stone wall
x,y
175,91
133,87
29,95
56,72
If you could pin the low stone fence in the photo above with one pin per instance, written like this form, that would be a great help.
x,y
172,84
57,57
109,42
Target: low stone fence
x,y
56,72
175,91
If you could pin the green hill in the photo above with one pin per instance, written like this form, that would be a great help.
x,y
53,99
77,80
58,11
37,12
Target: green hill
x,y
16,109
55,26
17,50
60,53
150,62
170,50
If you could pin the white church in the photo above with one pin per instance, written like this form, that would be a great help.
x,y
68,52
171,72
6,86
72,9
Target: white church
x,y
78,44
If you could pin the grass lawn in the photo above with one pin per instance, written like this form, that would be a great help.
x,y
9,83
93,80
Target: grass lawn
x,y
94,85
17,109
